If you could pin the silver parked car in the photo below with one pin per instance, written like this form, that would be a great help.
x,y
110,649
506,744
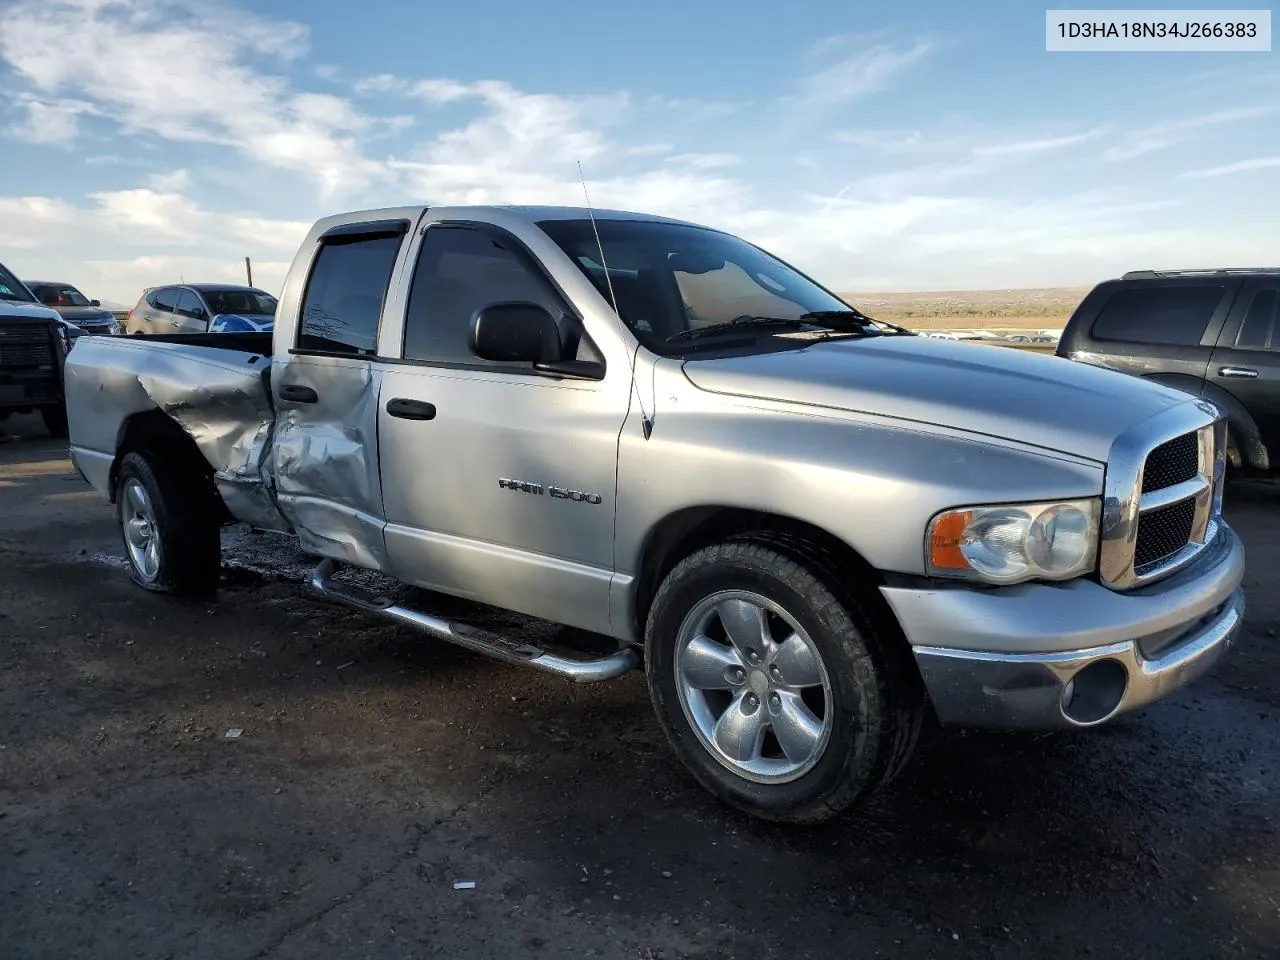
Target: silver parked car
x,y
809,528
202,308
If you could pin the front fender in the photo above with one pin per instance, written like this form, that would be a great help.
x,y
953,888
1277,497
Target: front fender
x,y
873,482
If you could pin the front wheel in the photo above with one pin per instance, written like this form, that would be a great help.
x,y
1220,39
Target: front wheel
x,y
777,695
55,421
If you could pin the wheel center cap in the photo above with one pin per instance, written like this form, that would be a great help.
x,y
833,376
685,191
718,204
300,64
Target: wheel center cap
x,y
759,682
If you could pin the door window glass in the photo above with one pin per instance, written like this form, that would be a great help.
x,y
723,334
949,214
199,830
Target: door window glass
x,y
1176,315
1258,330
343,300
459,271
165,299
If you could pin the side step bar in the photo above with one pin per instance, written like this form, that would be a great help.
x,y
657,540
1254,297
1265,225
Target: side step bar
x,y
482,641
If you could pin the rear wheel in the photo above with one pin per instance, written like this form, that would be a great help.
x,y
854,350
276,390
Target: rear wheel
x,y
171,543
775,693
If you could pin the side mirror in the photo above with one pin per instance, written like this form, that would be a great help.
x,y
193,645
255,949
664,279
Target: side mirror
x,y
95,303
515,333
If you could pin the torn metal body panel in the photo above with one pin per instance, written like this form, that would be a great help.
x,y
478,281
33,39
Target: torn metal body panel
x,y
325,459
219,397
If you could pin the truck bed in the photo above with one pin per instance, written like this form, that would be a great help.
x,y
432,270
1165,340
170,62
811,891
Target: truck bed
x,y
215,387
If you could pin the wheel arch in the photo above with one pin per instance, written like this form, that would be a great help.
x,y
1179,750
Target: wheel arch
x,y
1251,451
160,438
685,531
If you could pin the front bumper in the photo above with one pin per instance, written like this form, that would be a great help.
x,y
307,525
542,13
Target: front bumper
x,y
1042,656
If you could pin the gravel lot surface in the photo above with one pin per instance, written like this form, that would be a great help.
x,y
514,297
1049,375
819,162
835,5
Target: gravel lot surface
x,y
377,768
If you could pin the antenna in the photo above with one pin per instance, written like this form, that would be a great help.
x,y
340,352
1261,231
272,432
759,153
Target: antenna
x,y
645,422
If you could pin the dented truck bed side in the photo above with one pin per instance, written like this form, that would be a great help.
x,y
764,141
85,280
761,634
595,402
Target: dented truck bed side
x,y
219,395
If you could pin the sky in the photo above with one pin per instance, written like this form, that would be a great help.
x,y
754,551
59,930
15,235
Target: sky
x,y
912,146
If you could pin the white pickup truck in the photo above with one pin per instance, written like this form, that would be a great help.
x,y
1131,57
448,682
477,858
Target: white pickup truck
x,y
809,528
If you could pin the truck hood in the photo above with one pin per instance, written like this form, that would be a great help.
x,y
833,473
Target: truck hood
x,y
995,391
20,310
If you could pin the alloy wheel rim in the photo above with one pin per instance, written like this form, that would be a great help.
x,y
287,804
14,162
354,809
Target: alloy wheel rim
x,y
753,687
141,539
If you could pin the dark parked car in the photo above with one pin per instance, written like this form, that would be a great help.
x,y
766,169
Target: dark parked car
x,y
202,308
1212,333
34,342
70,304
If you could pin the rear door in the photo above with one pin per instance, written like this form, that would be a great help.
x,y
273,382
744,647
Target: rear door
x,y
1160,328
189,316
160,318
326,394
1246,363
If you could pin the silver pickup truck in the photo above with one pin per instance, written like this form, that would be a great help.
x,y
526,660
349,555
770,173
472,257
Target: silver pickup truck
x,y
810,529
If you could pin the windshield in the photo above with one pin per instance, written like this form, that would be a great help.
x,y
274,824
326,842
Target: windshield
x,y
11,287
247,303
59,295
671,278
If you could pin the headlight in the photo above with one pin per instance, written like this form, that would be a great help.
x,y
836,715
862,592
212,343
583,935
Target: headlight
x,y
1012,543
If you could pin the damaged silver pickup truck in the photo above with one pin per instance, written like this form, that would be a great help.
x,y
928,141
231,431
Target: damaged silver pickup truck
x,y
811,529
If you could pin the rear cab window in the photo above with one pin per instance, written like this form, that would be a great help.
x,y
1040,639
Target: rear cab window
x,y
1173,314
345,293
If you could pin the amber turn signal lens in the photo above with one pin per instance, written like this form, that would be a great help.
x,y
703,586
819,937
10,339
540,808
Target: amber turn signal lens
x,y
946,539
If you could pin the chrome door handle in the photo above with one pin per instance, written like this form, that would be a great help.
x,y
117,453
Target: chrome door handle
x,y
1242,373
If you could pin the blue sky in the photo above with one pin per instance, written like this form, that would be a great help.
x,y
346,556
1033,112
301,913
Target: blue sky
x,y
908,147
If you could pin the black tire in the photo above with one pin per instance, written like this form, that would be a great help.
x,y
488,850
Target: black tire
x,y
55,421
877,701
186,530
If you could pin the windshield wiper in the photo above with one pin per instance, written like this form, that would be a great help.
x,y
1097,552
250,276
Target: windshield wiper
x,y
854,321
729,326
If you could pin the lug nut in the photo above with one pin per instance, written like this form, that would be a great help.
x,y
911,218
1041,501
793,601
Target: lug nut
x,y
753,701
738,675
775,701
775,672
753,656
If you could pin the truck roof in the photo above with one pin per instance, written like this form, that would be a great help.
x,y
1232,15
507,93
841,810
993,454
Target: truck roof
x,y
528,212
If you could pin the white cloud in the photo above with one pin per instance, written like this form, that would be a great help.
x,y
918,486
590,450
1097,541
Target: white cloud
x,y
185,70
49,121
1041,145
854,67
1162,136
175,181
51,237
1242,166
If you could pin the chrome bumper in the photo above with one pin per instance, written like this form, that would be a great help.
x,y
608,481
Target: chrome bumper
x,y
1044,657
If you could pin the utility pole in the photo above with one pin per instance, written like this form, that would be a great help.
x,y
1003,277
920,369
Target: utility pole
x,y
248,271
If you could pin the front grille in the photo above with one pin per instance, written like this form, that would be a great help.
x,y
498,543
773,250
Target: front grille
x,y
1173,462
1162,533
1158,510
25,347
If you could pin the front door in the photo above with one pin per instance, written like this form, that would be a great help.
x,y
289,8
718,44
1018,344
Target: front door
x,y
326,396
498,482
1246,362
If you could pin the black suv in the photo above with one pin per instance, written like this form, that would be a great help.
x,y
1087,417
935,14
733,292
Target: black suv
x,y
1212,333
34,342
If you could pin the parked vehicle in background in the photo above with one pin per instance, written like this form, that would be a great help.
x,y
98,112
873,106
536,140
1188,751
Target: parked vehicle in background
x,y
1212,333
34,342
810,529
202,308
72,305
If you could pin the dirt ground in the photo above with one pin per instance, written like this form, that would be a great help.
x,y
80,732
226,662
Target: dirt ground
x,y
376,768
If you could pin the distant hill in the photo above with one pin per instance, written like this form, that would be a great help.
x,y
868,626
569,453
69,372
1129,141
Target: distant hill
x,y
1014,309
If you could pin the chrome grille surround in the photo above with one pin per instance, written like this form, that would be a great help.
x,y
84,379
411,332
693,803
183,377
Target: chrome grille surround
x,y
1124,503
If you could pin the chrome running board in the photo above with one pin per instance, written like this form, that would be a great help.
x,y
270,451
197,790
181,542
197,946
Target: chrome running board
x,y
482,641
